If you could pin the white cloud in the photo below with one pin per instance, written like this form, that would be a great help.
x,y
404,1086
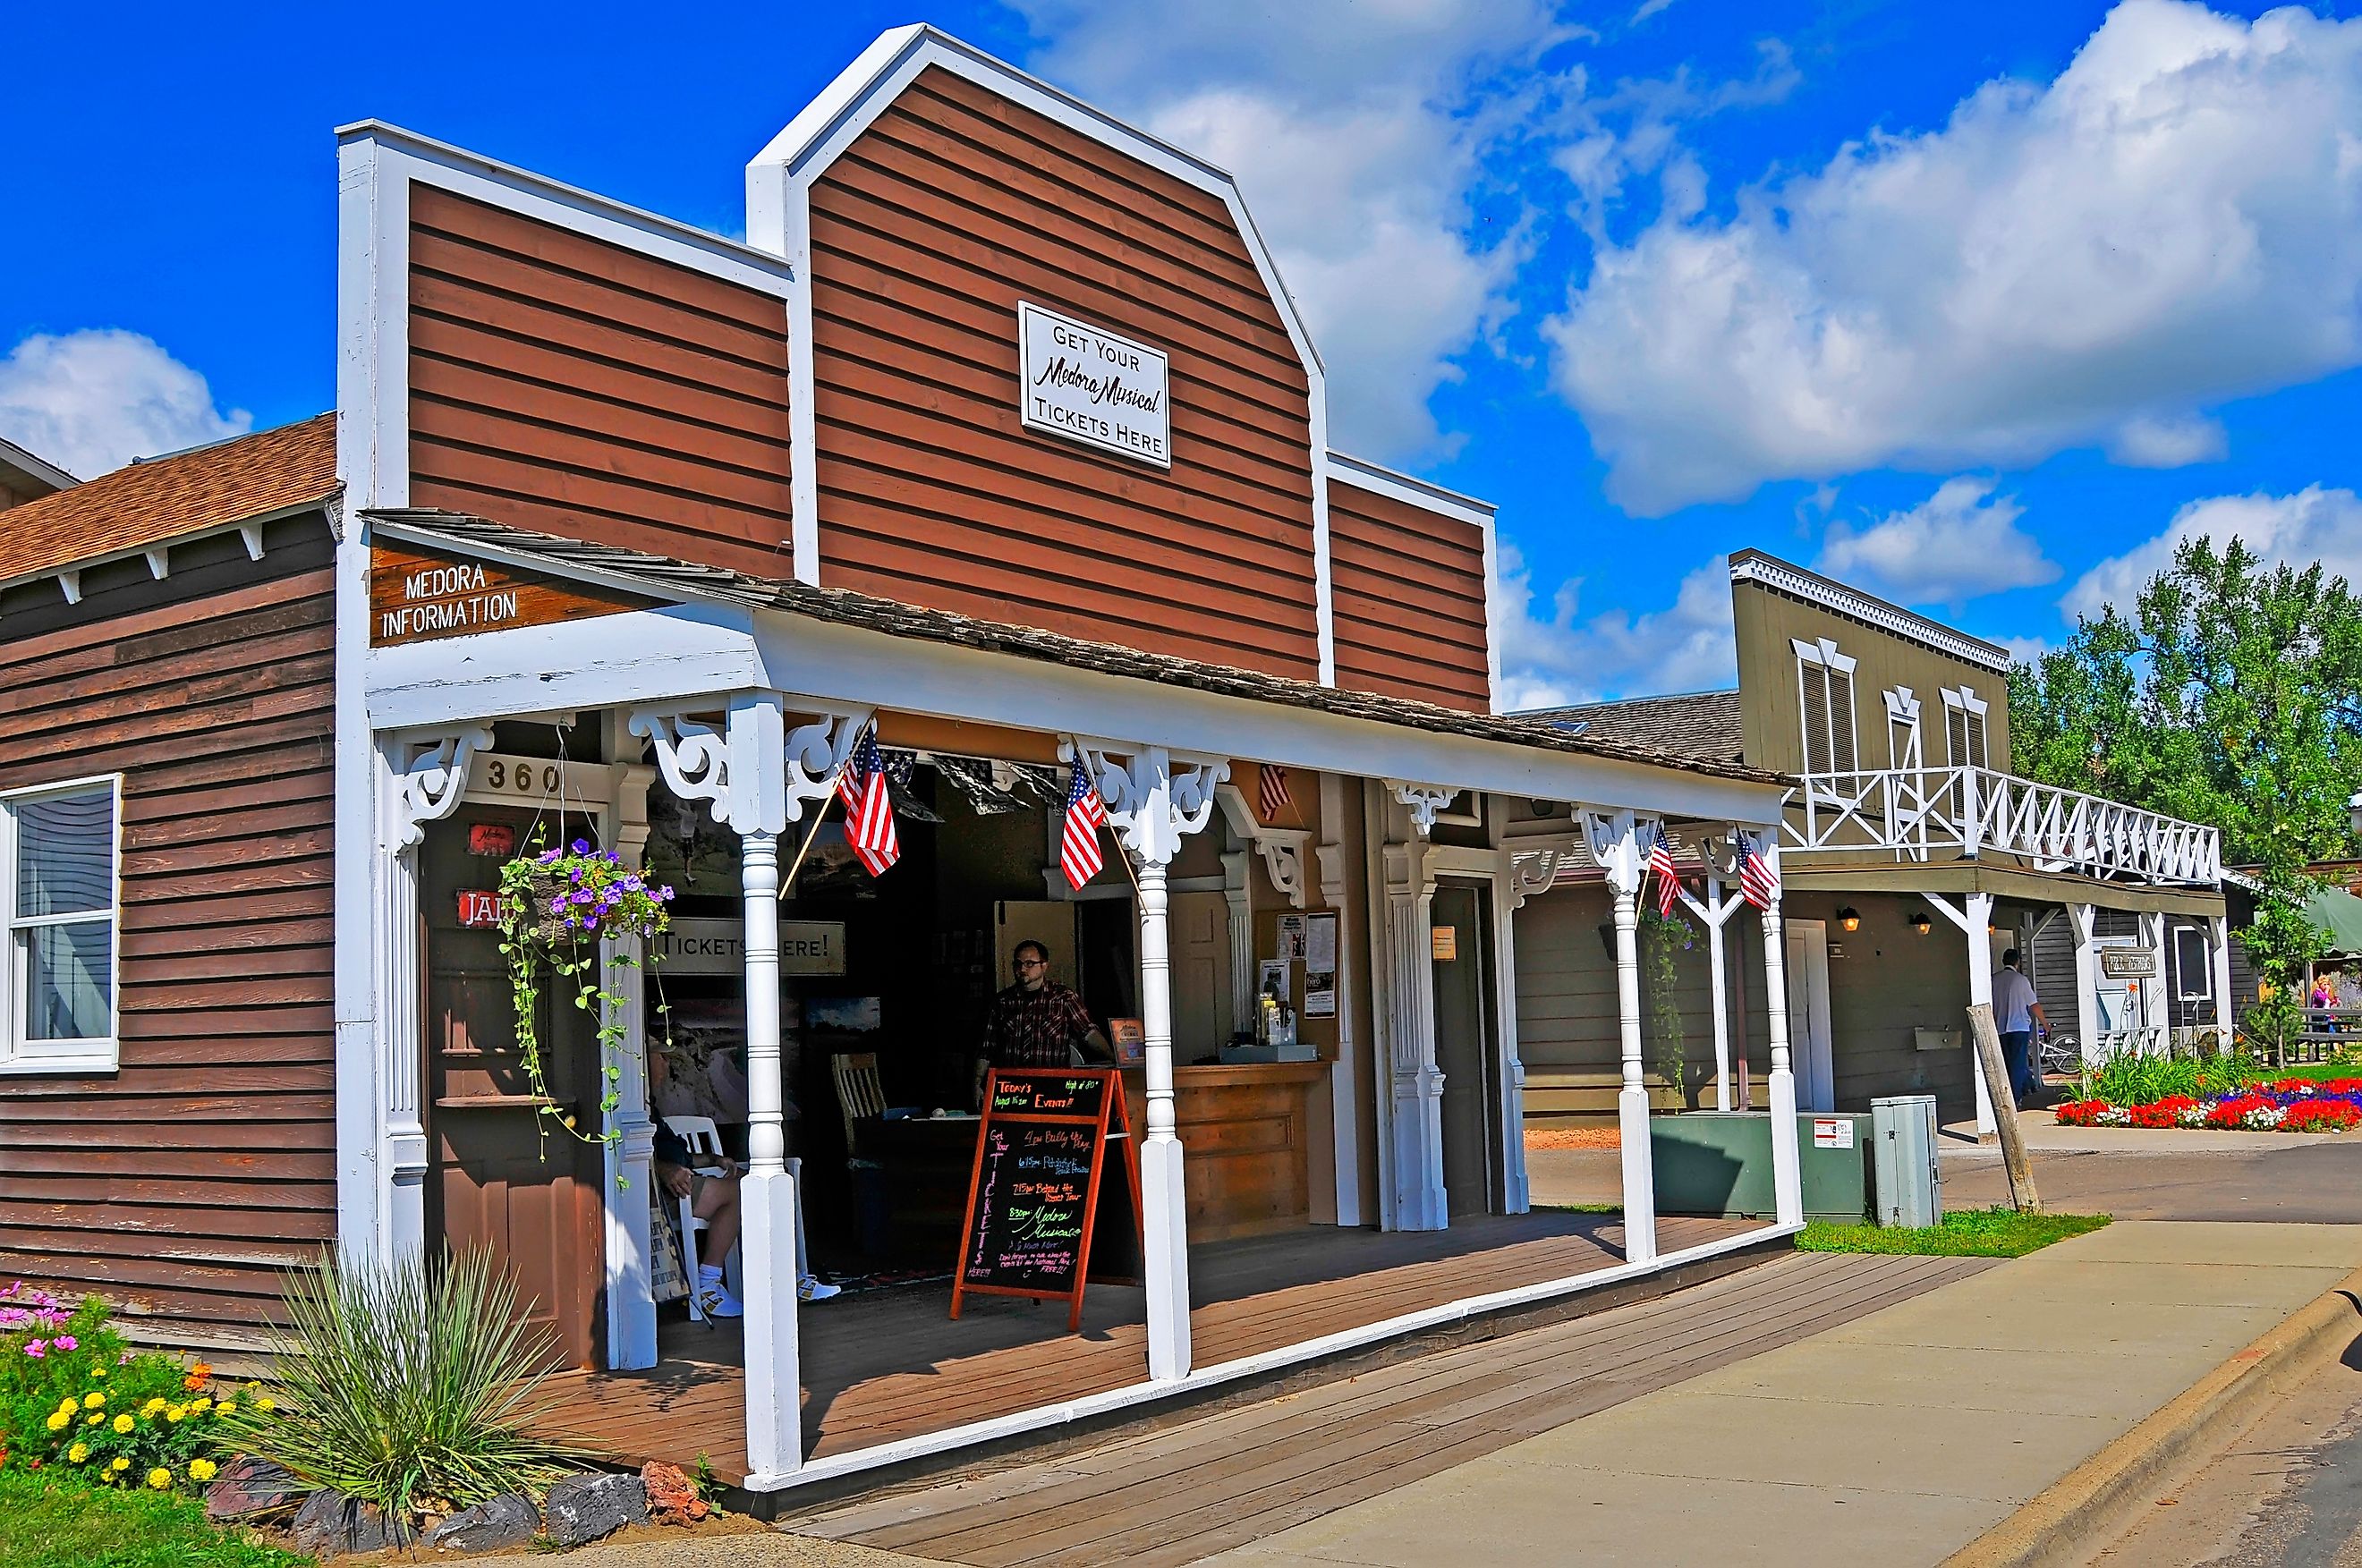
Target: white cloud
x,y
2168,443
1960,544
2315,524
1356,134
90,401
2176,220
1647,9
1549,660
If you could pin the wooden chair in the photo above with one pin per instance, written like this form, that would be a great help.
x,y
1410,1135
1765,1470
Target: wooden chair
x,y
858,1091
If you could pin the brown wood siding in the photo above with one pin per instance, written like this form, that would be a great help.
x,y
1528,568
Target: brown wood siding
x,y
1408,601
563,384
926,233
180,1185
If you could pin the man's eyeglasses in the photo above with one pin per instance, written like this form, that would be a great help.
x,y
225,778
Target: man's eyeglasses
x,y
1033,963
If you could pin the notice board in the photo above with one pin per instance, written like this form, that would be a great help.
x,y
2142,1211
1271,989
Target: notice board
x,y
1054,1202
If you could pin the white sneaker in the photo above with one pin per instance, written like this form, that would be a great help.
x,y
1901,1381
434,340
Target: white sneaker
x,y
811,1288
714,1298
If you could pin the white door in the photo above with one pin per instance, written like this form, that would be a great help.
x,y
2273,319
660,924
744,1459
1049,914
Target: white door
x,y
1201,974
1808,1015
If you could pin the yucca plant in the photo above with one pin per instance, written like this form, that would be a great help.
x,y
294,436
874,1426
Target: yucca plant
x,y
404,1384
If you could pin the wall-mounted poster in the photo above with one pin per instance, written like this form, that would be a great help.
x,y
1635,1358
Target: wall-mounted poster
x,y
1320,943
1130,1038
1273,979
1291,937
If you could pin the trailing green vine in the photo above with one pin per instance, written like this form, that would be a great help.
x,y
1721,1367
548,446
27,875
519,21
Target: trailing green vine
x,y
1662,938
555,908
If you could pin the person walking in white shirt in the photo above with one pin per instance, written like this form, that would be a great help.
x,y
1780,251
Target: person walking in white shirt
x,y
2016,1013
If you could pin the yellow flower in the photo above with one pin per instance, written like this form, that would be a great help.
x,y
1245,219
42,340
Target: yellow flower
x,y
122,1423
200,1405
77,1454
118,1465
175,1415
266,1404
226,1408
98,1372
92,1402
57,1420
93,1419
159,1478
200,1469
152,1408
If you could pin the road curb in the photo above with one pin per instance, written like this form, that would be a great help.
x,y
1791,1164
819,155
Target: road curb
x,y
2091,1503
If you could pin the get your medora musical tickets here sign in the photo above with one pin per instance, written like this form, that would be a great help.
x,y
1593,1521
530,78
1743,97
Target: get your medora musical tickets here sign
x,y
1089,385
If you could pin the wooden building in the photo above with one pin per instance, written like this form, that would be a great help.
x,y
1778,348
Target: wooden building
x,y
999,433
1904,834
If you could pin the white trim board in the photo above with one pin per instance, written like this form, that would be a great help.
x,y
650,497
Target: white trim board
x,y
1114,1399
1754,566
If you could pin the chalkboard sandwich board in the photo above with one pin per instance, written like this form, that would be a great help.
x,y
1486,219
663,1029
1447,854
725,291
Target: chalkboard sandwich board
x,y
1052,1142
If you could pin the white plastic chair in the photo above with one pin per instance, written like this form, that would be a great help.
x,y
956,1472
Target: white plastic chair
x,y
704,1141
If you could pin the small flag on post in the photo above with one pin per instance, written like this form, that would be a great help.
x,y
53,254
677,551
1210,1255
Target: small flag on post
x,y
1756,880
1078,836
1669,880
868,807
1271,792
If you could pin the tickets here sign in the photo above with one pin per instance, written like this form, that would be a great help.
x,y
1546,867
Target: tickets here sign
x,y
1088,384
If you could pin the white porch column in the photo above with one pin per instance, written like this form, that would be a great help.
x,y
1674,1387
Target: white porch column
x,y
2080,920
419,781
1415,1083
1787,1163
630,1149
1345,1072
2218,950
1238,892
1973,916
2157,1001
1153,803
1720,995
757,777
1619,842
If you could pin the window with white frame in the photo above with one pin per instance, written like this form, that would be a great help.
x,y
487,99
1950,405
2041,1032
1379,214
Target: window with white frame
x,y
1901,728
1964,727
1825,691
59,859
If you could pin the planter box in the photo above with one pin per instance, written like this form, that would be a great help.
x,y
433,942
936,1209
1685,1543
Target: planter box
x,y
1719,1163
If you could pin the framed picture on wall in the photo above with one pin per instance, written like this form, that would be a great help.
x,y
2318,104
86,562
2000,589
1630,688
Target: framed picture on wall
x,y
1130,1038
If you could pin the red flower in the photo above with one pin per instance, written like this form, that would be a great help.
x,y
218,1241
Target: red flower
x,y
2320,1117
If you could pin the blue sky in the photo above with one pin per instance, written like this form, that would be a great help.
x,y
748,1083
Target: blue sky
x,y
1980,305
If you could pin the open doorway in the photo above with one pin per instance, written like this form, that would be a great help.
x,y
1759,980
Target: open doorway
x,y
1465,1049
1808,1015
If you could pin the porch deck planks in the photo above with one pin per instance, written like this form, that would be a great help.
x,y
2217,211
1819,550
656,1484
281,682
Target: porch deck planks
x,y
879,1369
1176,1495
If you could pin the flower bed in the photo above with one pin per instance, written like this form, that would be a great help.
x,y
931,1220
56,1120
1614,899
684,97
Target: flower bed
x,y
2286,1105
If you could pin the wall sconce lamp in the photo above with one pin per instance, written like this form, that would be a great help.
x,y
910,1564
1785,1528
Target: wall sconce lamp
x,y
1850,918
1922,923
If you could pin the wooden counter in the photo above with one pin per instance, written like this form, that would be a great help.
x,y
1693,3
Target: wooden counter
x,y
1245,1132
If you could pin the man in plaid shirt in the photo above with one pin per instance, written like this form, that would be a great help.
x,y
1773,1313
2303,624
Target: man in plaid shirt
x,y
1037,1022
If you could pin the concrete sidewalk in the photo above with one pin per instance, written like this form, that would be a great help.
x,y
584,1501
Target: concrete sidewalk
x,y
1897,1438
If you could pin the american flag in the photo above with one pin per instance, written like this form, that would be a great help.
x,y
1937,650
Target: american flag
x,y
1669,880
1757,880
868,807
1271,792
1078,837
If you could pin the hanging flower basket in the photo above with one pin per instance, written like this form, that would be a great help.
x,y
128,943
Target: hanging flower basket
x,y
557,906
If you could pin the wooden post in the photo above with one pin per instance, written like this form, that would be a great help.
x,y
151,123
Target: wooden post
x,y
2022,1195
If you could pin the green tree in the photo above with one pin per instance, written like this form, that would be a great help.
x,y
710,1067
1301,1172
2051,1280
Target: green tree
x,y
2231,694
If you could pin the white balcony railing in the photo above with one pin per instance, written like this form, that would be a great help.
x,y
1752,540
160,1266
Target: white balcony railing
x,y
1924,814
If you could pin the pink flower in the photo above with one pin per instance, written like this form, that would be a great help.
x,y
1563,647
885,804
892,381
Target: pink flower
x,y
123,1360
37,1348
67,1341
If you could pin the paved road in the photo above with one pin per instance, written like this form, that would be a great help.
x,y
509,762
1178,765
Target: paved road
x,y
2319,1182
2286,1494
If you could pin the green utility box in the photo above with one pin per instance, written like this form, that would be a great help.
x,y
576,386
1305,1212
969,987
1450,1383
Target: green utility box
x,y
1719,1163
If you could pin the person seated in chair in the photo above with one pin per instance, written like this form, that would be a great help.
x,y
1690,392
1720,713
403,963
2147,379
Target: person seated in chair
x,y
713,1198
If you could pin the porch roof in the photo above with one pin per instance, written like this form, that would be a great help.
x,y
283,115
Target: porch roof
x,y
2003,882
664,577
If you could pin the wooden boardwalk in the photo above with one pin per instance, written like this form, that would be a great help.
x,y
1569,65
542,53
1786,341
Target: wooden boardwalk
x,y
1186,1492
891,1363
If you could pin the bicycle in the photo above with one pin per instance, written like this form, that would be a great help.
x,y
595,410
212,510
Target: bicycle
x,y
2058,1055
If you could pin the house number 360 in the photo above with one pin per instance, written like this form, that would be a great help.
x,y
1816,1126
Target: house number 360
x,y
508,775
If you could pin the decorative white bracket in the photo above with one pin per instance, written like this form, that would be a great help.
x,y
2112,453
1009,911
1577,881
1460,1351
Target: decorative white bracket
x,y
1154,798
1619,841
739,769
1533,868
1424,800
1282,849
817,750
433,778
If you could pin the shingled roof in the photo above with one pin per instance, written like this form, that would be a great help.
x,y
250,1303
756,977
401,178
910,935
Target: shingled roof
x,y
165,498
1702,726
460,532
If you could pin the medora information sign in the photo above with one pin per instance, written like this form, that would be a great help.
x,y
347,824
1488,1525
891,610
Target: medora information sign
x,y
1093,387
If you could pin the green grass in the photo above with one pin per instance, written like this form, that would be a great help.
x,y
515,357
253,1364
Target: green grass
x,y
48,1523
2318,1071
1581,1207
1980,1232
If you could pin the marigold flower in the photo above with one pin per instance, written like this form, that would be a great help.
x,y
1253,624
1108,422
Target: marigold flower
x,y
92,1401
57,1420
200,1405
118,1465
177,1414
196,1377
159,1478
77,1454
266,1404
152,1408
93,1419
200,1469
226,1408
122,1423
